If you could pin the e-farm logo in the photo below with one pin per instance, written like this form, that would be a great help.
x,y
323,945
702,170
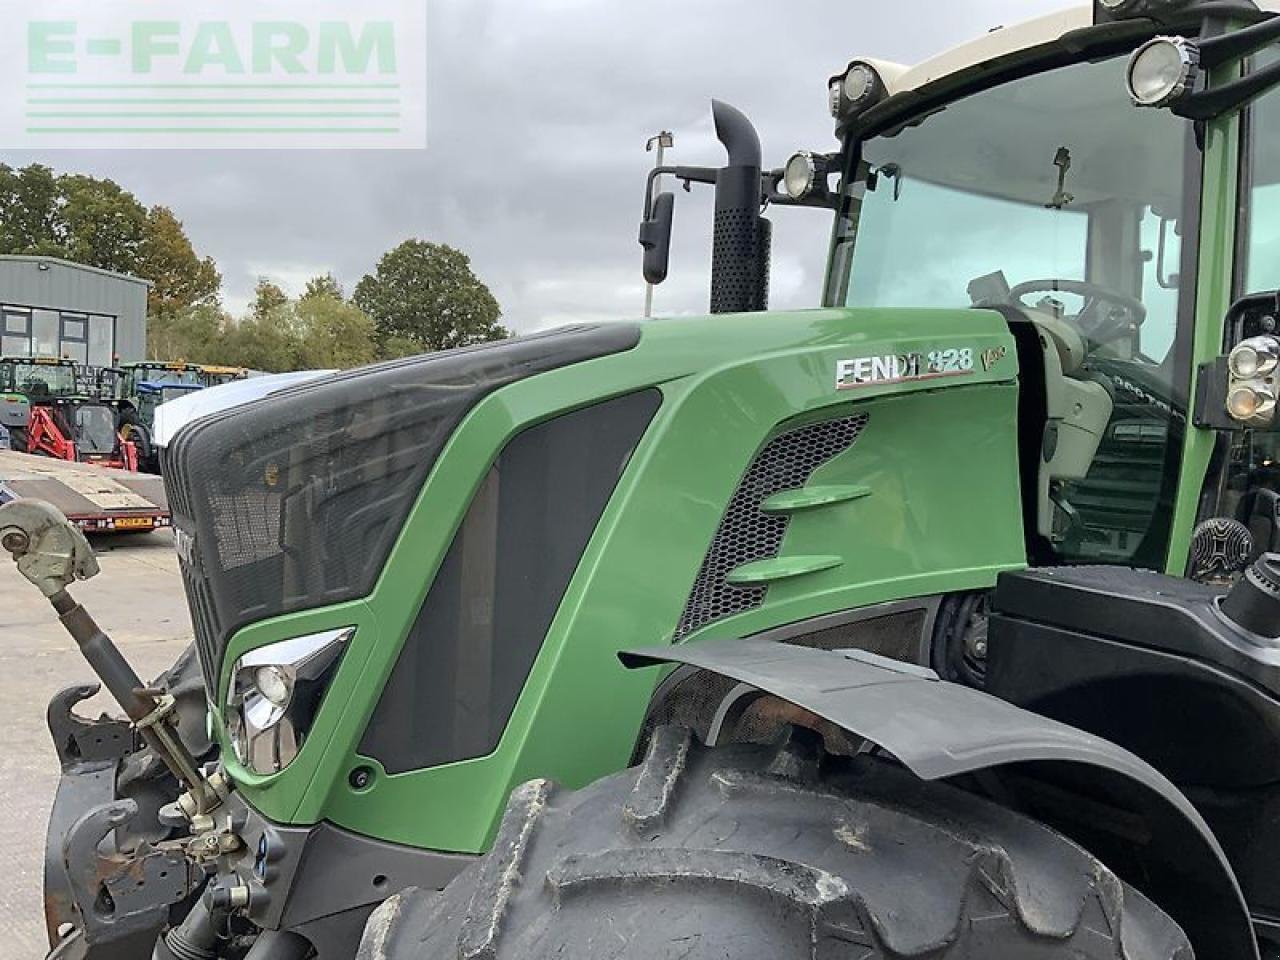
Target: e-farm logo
x,y
98,74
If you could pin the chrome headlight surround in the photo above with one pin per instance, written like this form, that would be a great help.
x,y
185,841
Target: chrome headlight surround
x,y
274,694
1252,368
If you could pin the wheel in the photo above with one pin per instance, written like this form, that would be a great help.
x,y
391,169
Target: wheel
x,y
773,853
137,433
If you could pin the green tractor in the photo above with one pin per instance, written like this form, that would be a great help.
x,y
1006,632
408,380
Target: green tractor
x,y
941,620
138,388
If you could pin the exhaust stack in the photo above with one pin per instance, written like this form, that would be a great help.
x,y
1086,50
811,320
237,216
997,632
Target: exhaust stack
x,y
741,241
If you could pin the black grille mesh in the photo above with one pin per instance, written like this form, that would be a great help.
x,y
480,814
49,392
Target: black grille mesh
x,y
746,533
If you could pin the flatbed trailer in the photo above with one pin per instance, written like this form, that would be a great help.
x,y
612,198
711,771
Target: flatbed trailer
x,y
96,499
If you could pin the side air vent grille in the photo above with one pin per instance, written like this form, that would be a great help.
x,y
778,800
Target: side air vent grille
x,y
746,533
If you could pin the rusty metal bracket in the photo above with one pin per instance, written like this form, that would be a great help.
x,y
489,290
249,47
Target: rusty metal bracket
x,y
117,895
78,740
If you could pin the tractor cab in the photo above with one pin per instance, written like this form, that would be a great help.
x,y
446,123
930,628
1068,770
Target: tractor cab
x,y
151,394
39,380
1053,200
1112,207
134,374
139,389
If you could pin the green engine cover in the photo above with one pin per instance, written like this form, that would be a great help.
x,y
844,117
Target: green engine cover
x,y
927,500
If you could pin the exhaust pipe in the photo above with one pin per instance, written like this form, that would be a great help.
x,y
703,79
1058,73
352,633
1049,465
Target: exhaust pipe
x,y
741,241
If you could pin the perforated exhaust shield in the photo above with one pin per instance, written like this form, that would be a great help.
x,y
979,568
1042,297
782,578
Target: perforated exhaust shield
x,y
294,501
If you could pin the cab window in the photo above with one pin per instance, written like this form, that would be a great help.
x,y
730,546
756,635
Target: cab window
x,y
1054,199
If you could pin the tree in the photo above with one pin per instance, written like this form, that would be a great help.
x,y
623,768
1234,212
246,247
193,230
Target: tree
x,y
269,342
195,334
333,333
97,222
29,211
319,330
268,298
325,285
427,293
180,277
100,224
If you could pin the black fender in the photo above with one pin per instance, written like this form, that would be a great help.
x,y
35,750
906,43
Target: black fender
x,y
1100,795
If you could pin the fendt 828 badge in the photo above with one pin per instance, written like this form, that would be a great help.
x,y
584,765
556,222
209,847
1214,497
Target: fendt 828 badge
x,y
903,367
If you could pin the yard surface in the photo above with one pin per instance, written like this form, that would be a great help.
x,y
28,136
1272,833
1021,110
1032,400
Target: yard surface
x,y
137,599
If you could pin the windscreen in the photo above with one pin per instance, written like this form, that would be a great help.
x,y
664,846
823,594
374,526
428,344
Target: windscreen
x,y
38,380
1052,177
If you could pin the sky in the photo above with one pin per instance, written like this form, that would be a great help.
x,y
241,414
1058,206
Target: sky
x,y
537,117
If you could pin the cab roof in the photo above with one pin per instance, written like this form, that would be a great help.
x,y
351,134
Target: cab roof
x,y
997,43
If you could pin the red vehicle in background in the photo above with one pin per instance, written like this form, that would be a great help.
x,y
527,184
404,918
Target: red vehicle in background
x,y
64,423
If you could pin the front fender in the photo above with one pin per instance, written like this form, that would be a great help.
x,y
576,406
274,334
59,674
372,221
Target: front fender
x,y
1103,797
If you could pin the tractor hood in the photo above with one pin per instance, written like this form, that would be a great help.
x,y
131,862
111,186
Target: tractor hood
x,y
176,414
295,502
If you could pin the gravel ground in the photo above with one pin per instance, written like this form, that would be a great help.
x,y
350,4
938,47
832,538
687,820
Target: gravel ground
x,y
138,600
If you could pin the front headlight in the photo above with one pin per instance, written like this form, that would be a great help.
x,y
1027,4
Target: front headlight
x,y
275,693
1252,368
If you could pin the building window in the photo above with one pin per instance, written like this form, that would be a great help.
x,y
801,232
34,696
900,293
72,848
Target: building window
x,y
74,339
45,329
73,327
102,341
15,335
86,339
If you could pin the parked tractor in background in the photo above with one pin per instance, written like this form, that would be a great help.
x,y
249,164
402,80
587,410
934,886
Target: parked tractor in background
x,y
137,389
937,622
212,375
62,421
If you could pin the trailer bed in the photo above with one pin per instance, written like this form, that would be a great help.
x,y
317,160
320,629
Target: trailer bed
x,y
96,499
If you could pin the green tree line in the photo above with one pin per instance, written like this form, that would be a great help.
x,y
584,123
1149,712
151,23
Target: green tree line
x,y
421,296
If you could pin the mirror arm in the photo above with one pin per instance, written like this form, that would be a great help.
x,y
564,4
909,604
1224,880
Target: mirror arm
x,y
686,174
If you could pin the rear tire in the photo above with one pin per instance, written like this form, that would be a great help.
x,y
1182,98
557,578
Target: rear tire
x,y
771,852
137,433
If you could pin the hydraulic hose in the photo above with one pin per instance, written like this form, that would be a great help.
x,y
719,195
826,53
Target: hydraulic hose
x,y
279,945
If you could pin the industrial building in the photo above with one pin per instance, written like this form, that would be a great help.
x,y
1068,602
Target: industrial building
x,y
54,308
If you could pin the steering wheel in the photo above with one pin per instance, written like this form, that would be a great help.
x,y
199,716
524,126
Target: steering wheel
x,y
1099,325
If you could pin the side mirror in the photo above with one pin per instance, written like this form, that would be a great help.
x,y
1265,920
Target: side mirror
x,y
655,237
1240,390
